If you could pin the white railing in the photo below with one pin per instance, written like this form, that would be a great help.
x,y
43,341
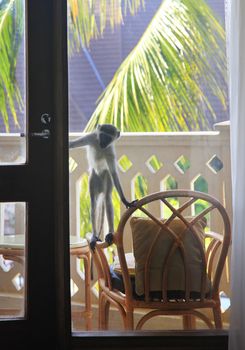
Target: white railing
x,y
170,150
199,148
12,149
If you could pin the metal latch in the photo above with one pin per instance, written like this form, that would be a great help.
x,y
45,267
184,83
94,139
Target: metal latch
x,y
45,134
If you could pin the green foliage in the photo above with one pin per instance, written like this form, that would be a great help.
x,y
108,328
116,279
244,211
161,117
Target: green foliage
x,y
159,86
85,222
154,164
200,184
89,18
124,163
170,184
140,190
116,206
11,32
140,186
200,205
183,164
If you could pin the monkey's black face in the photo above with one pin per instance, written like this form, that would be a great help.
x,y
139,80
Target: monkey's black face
x,y
107,134
105,139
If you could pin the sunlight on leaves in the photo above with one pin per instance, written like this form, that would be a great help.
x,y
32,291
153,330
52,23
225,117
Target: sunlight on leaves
x,y
160,86
85,222
169,183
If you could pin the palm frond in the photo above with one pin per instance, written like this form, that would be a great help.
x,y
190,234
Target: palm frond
x,y
11,32
162,84
88,18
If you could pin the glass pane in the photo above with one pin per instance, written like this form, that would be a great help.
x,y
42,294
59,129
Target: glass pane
x,y
155,70
12,259
12,78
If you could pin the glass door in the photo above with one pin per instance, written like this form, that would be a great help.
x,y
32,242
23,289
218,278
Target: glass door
x,y
32,104
136,65
36,187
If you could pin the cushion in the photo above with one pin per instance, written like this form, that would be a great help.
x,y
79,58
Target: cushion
x,y
143,232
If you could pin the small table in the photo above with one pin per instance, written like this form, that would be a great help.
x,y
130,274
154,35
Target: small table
x,y
12,248
130,264
80,248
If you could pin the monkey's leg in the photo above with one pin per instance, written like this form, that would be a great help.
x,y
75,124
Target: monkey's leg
x,y
95,237
95,189
100,214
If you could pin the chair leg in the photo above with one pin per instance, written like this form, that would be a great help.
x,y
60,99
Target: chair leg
x,y
189,322
88,302
129,320
217,318
100,311
107,310
104,308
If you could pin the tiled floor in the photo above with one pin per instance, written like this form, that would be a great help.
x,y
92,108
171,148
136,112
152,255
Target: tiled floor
x,y
115,323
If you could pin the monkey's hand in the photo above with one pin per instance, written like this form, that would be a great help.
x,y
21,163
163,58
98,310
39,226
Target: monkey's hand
x,y
93,241
131,204
109,238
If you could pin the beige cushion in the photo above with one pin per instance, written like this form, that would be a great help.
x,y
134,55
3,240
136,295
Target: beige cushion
x,y
143,231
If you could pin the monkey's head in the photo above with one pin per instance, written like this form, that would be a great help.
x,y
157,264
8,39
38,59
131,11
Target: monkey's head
x,y
107,134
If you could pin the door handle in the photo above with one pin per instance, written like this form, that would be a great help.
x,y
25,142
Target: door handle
x,y
45,134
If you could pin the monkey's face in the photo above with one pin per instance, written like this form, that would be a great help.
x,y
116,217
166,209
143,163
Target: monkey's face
x,y
107,134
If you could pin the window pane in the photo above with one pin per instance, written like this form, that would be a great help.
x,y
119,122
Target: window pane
x,y
12,259
12,87
149,68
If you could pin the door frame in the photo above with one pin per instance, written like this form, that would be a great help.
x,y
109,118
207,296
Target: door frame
x,y
43,183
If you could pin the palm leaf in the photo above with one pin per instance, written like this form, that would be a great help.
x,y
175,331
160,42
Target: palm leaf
x,y
88,19
162,84
11,32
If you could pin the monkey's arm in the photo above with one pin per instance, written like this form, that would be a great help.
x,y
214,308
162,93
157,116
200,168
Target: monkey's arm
x,y
115,177
85,140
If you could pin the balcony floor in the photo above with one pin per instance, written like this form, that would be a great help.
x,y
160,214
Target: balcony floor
x,y
115,322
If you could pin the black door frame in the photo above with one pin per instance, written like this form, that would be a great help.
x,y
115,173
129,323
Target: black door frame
x,y
43,183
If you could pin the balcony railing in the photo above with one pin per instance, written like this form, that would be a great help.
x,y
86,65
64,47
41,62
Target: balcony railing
x,y
186,160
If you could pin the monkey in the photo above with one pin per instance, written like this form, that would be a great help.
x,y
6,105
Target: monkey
x,y
101,157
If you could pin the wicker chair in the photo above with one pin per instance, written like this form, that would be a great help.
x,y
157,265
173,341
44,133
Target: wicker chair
x,y
212,257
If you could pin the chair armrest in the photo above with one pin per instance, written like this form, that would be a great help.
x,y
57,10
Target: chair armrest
x,y
101,263
215,235
212,249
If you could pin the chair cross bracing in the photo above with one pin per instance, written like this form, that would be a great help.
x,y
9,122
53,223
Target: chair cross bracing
x,y
176,272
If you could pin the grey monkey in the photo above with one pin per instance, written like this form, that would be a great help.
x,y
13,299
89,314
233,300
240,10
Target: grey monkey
x,y
103,174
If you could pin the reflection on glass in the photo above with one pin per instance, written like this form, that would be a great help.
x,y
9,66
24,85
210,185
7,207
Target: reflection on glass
x,y
148,67
12,86
12,259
